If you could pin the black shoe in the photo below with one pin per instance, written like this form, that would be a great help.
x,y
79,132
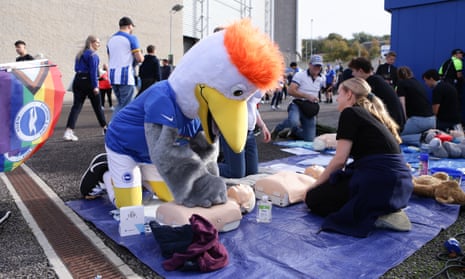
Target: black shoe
x,y
94,175
284,132
274,134
4,215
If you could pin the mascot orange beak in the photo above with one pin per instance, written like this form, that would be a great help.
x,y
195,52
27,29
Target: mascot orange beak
x,y
217,112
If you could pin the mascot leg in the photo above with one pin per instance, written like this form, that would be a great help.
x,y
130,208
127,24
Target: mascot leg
x,y
153,181
125,182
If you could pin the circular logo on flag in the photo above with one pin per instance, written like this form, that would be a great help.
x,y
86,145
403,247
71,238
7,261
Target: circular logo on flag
x,y
32,121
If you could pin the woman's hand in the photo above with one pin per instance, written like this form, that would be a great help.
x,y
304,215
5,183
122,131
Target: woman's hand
x,y
266,134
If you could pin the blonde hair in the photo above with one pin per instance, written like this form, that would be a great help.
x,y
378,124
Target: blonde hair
x,y
367,100
90,39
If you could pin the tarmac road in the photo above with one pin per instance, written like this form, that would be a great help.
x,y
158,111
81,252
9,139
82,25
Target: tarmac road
x,y
60,164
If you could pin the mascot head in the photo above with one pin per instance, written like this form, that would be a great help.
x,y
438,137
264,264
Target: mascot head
x,y
216,77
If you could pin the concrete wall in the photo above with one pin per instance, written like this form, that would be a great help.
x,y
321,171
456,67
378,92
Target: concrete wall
x,y
58,28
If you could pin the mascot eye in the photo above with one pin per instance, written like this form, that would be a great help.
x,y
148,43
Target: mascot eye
x,y
238,90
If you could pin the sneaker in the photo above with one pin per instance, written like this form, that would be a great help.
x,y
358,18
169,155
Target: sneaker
x,y
274,134
70,136
103,108
284,132
112,108
273,107
93,176
397,221
4,215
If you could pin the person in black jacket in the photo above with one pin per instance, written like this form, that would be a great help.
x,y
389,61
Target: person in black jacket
x,y
165,69
387,70
149,70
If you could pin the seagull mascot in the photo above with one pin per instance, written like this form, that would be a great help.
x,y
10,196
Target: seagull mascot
x,y
166,139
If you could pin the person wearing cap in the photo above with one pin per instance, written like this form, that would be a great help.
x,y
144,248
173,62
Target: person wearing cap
x,y
123,48
451,70
22,52
387,70
304,88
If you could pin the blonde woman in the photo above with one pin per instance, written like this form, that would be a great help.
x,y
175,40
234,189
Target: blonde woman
x,y
85,85
360,196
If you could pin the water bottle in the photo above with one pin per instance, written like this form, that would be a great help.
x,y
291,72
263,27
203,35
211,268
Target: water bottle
x,y
264,210
424,158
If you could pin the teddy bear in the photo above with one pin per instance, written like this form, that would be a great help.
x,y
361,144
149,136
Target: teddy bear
x,y
325,141
443,145
439,186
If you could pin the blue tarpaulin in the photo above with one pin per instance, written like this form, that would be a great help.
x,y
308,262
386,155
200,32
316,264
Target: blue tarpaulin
x,y
291,246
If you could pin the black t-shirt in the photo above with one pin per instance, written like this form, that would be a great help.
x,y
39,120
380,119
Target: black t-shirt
x,y
368,135
387,94
446,96
416,101
26,57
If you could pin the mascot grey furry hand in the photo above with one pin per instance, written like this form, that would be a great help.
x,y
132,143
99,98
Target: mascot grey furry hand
x,y
166,139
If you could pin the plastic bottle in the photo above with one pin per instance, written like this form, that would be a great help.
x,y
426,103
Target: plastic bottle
x,y
264,210
424,158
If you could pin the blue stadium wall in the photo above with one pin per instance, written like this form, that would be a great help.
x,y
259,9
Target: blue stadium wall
x,y
424,32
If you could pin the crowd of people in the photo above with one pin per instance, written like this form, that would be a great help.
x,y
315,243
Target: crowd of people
x,y
378,111
118,77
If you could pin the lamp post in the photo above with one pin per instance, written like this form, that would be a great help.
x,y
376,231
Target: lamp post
x,y
311,37
306,50
174,9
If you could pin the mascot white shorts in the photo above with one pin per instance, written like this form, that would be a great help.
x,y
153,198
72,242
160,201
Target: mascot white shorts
x,y
126,177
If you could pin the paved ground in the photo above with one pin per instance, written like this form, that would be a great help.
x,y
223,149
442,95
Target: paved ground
x,y
60,164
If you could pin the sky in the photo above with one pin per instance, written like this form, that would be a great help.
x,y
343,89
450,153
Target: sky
x,y
343,17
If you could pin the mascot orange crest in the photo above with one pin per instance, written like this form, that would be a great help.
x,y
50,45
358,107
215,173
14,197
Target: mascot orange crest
x,y
254,54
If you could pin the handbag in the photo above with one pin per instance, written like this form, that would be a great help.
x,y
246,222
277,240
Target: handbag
x,y
308,108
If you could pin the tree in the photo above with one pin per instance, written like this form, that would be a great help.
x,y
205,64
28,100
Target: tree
x,y
336,48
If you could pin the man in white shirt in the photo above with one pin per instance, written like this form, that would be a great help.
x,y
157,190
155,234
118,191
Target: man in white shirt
x,y
304,87
123,50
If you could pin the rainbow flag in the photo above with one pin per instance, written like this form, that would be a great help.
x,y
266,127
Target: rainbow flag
x,y
31,97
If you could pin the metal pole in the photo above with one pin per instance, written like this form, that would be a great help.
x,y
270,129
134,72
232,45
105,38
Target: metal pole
x,y
171,30
311,37
306,50
174,9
